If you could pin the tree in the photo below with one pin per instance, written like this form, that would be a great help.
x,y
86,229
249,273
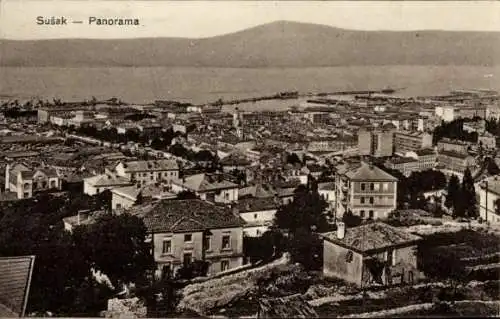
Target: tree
x,y
301,219
453,192
265,247
116,246
293,159
305,211
351,220
197,268
186,195
468,194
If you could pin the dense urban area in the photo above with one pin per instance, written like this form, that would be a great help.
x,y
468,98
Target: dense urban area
x,y
347,204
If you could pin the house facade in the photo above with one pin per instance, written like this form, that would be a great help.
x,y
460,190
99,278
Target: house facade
x,y
374,253
149,172
183,231
211,187
258,214
365,190
24,182
99,183
489,194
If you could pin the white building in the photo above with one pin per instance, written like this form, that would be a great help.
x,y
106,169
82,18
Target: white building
x,y
149,172
489,193
211,187
258,213
99,183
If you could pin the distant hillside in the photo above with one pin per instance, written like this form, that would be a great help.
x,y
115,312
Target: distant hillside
x,y
277,44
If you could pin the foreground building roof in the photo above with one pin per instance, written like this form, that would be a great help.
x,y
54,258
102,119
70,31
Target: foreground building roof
x,y
15,280
186,215
372,237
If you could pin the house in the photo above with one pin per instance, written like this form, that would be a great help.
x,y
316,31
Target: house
x,y
212,187
25,182
234,162
487,141
149,172
258,213
374,253
127,196
294,306
99,183
489,194
182,231
365,190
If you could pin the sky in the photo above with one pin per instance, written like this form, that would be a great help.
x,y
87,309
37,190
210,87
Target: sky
x,y
200,19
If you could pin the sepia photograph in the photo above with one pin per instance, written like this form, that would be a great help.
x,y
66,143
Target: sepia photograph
x,y
249,159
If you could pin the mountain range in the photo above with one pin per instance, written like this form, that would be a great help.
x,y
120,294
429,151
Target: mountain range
x,y
276,44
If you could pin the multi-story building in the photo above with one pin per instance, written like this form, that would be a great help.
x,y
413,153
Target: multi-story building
x,y
406,141
454,162
377,142
458,146
450,113
25,182
489,194
365,190
149,172
487,141
182,231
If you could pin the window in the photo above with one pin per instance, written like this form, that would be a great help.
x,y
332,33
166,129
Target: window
x,y
362,200
98,190
362,213
386,186
151,178
372,186
377,186
363,186
258,232
188,238
167,246
226,195
349,256
370,213
255,216
187,258
226,242
207,243
392,255
118,205
371,200
224,265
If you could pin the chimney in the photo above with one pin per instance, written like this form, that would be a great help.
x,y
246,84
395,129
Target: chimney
x,y
340,230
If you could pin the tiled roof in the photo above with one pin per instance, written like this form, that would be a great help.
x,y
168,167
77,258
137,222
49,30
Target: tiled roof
x,y
107,180
154,165
15,279
256,204
371,237
366,172
186,215
147,191
205,183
